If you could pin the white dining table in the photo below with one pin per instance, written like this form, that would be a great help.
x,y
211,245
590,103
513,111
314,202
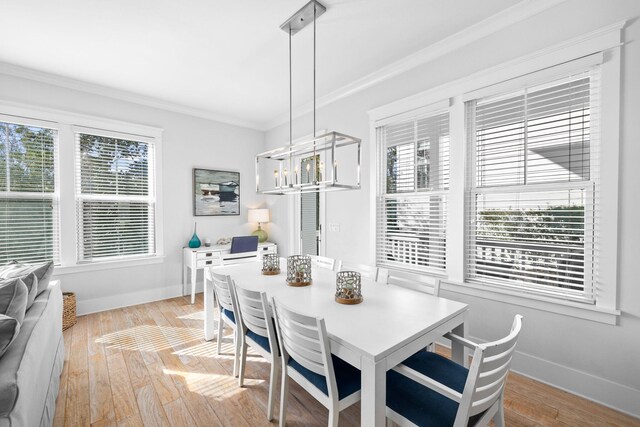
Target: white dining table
x,y
391,323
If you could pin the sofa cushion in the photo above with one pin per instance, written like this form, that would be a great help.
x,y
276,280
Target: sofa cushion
x,y
9,328
31,281
29,367
13,298
42,271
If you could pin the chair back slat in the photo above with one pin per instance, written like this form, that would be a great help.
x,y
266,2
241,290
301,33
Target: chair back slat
x,y
311,365
307,331
304,338
258,329
253,311
366,271
298,347
501,347
495,362
484,403
222,288
490,376
415,281
323,262
489,370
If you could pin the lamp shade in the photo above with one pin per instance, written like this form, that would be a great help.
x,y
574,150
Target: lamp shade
x,y
259,215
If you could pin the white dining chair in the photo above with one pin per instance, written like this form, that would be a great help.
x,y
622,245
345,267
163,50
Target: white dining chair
x,y
416,281
372,273
225,295
430,390
257,330
307,359
324,262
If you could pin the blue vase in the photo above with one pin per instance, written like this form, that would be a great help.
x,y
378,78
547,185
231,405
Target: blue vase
x,y
195,241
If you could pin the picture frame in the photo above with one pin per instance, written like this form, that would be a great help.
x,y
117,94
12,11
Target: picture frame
x,y
216,192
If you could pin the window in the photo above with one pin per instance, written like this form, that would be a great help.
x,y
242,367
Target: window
x,y
28,198
533,189
115,197
412,193
531,195
78,190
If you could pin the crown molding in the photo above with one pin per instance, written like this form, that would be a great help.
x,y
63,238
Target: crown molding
x,y
578,47
122,95
512,15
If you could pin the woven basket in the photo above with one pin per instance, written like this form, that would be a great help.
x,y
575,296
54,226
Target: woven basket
x,y
69,310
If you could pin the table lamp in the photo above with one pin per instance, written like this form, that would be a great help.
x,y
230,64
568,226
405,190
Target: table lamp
x,y
259,216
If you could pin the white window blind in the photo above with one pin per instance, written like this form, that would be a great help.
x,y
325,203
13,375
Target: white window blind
x,y
412,193
533,189
28,198
309,211
115,196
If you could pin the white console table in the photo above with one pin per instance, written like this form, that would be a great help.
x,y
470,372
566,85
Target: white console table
x,y
199,258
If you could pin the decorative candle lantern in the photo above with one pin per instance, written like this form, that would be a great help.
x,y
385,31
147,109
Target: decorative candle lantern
x,y
299,270
270,264
348,288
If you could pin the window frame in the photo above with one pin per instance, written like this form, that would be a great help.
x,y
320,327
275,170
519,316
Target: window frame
x,y
603,44
417,193
149,199
587,67
53,196
65,185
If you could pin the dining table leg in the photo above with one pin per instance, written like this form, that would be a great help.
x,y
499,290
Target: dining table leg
x,y
209,303
374,387
194,276
458,353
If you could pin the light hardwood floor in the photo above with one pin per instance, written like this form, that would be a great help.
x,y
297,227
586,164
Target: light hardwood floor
x,y
148,365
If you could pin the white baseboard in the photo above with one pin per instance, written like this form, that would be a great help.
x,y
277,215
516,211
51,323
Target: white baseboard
x,y
125,300
600,390
614,395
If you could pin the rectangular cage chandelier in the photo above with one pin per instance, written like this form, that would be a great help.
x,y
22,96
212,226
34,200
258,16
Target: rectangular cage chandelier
x,y
327,162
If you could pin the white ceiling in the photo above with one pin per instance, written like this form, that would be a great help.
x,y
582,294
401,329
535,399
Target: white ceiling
x,y
224,57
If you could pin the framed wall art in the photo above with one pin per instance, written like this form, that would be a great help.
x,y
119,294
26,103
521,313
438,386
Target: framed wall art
x,y
216,193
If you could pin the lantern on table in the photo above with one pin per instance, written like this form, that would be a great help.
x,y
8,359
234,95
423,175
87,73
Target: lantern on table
x,y
270,264
348,287
299,270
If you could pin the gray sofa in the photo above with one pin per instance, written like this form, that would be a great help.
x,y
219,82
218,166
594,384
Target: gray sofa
x,y
30,369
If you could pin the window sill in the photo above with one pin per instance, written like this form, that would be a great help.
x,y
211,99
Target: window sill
x,y
538,302
62,270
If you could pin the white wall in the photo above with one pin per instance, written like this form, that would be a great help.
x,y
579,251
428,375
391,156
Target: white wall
x,y
592,359
188,142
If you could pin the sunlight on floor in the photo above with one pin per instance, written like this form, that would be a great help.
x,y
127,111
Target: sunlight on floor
x,y
150,338
205,349
212,385
197,315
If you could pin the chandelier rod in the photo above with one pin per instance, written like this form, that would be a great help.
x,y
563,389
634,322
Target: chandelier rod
x,y
314,70
290,104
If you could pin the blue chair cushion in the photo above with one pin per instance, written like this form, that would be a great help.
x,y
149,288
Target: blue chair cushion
x,y
259,339
229,315
421,405
263,341
241,244
347,377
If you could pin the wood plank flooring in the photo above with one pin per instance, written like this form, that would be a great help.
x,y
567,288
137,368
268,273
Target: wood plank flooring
x,y
148,365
